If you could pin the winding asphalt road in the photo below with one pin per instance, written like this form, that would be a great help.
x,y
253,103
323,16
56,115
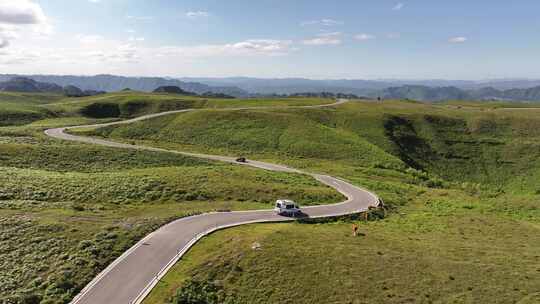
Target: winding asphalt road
x,y
132,276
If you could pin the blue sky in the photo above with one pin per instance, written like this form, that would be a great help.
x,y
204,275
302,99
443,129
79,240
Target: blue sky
x,y
367,39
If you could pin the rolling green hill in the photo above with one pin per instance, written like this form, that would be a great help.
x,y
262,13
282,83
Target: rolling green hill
x,y
495,148
455,176
24,108
68,209
460,182
285,134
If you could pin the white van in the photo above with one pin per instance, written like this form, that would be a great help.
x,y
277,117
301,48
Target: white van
x,y
287,207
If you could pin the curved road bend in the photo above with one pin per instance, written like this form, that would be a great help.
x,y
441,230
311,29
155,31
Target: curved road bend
x,y
132,276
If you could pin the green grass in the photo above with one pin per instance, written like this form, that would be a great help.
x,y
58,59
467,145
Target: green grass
x,y
486,159
460,181
496,148
125,105
68,209
131,104
13,114
72,104
488,104
277,135
30,98
24,108
166,184
444,247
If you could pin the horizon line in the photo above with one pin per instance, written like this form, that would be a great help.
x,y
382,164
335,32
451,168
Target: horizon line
x,y
381,79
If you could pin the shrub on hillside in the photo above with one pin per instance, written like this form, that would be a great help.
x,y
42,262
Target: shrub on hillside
x,y
195,292
101,110
172,90
424,179
134,107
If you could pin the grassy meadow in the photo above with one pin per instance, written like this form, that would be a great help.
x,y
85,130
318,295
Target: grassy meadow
x,y
461,182
459,179
497,148
132,104
24,108
68,209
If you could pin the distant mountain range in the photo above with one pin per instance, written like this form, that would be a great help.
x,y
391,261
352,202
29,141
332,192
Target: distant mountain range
x,y
358,87
425,93
421,90
111,83
27,85
295,85
21,84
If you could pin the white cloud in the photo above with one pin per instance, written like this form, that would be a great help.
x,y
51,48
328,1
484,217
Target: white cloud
x,y
323,22
139,18
89,39
21,16
9,31
3,43
252,47
364,37
325,39
94,1
88,53
20,56
136,39
459,39
398,6
197,14
21,12
121,53
258,47
94,51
